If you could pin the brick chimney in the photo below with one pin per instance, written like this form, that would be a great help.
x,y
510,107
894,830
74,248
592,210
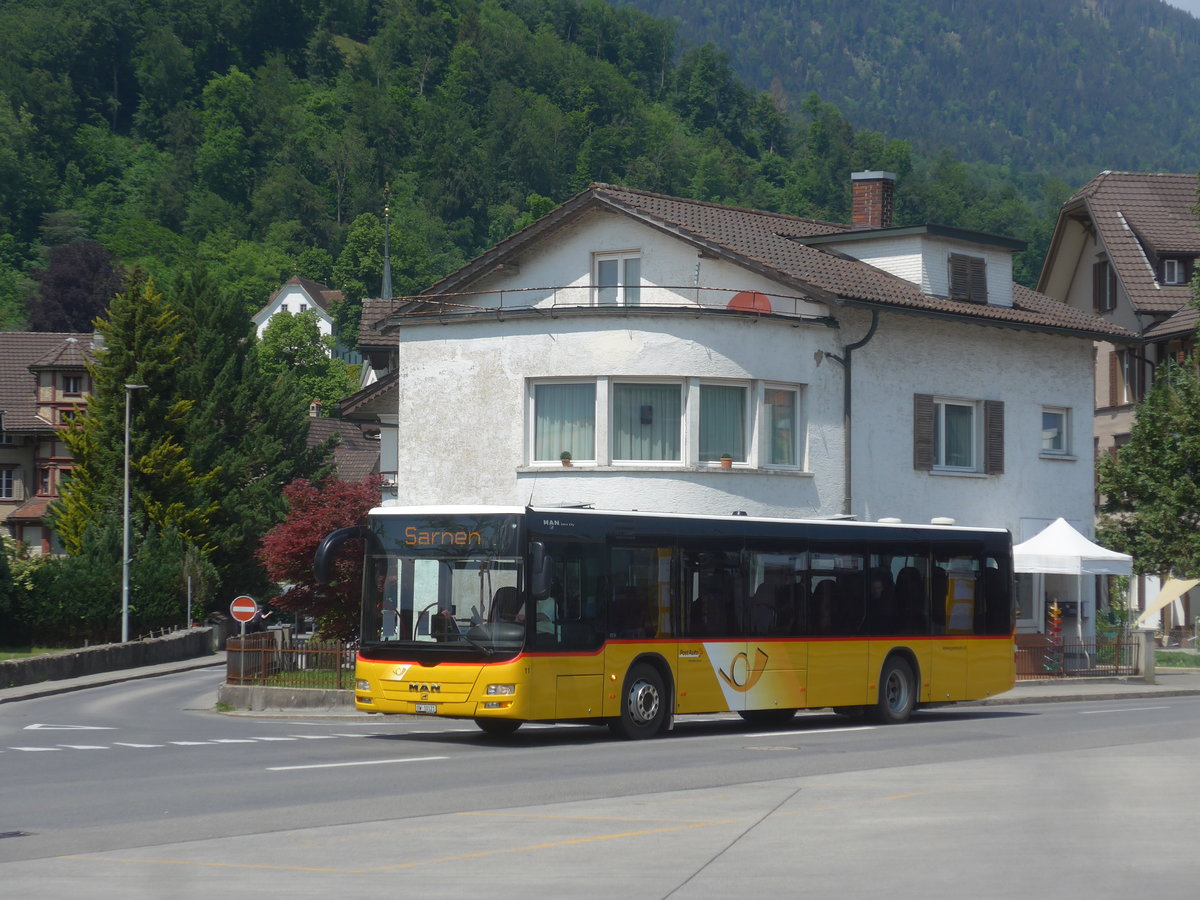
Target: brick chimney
x,y
871,205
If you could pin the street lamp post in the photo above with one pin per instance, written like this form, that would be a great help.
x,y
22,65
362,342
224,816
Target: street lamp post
x,y
129,389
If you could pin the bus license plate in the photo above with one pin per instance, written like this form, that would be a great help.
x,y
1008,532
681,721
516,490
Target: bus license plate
x,y
430,708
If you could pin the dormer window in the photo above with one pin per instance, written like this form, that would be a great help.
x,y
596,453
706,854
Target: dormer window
x,y
72,384
1174,271
968,278
618,278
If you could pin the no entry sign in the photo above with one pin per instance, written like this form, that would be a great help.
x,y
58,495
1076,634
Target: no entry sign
x,y
243,608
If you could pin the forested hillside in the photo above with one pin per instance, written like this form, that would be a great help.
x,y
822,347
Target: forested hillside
x,y
1069,87
256,140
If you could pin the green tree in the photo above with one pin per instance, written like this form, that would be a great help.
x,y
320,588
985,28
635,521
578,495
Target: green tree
x,y
248,427
143,344
1151,490
293,347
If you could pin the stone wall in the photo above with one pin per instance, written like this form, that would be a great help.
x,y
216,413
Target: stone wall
x,y
107,657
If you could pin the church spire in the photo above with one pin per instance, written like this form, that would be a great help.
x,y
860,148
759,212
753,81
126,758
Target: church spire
x,y
386,289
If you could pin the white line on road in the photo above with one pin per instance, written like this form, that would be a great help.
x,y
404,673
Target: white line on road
x,y
1101,712
34,749
189,743
274,739
123,744
83,747
813,732
369,762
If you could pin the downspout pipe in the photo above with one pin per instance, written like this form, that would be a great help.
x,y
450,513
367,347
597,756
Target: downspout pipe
x,y
846,361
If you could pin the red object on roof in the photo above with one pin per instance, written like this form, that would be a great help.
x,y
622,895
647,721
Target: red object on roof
x,y
752,301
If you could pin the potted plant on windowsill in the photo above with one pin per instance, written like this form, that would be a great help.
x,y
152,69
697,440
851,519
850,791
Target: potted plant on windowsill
x,y
565,456
726,460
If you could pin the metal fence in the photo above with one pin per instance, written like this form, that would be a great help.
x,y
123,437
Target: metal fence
x,y
1069,658
275,659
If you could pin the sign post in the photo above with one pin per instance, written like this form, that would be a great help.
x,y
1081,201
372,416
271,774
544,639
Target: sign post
x,y
243,609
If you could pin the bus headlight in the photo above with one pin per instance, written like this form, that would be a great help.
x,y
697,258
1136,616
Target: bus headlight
x,y
362,685
501,689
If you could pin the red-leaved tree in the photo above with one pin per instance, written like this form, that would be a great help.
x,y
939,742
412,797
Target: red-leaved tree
x,y
314,510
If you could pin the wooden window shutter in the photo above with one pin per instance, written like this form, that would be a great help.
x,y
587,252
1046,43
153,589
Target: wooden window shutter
x,y
978,275
1099,273
1114,378
960,278
923,432
993,437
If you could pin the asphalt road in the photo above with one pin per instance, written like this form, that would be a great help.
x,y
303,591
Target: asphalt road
x,y
141,790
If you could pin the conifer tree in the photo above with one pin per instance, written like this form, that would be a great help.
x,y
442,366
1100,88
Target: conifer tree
x,y
247,427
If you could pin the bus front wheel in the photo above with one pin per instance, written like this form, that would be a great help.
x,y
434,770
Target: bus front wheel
x,y
897,692
643,704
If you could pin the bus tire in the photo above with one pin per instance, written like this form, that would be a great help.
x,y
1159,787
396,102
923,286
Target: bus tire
x,y
643,704
498,727
897,692
767,716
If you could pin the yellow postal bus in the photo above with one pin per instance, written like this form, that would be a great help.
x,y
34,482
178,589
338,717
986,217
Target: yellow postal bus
x,y
509,615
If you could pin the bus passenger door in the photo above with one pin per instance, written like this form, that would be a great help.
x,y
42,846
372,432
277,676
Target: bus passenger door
x,y
714,664
953,585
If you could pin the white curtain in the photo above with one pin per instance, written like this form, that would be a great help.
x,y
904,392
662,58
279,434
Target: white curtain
x,y
956,444
565,419
722,422
646,421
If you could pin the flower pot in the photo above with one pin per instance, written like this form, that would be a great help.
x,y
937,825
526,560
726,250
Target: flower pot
x,y
566,463
726,463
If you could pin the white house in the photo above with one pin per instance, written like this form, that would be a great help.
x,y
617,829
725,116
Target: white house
x,y
296,296
861,371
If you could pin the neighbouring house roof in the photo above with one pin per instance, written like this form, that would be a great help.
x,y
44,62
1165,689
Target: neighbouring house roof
x,y
1138,218
355,457
1182,324
33,510
361,401
772,245
321,295
21,352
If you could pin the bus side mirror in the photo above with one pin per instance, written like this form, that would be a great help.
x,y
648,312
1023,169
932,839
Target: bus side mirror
x,y
541,571
328,548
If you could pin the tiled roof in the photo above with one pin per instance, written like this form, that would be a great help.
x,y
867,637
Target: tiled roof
x,y
19,350
1140,216
355,457
369,394
374,313
770,243
1182,324
321,294
33,510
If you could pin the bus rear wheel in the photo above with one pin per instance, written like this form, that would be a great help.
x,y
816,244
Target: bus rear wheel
x,y
643,704
498,727
897,692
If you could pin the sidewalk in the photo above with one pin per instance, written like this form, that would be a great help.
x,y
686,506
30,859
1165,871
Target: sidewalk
x,y
1170,683
98,679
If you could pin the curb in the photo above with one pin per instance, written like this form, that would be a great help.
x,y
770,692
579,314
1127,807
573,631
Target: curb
x,y
67,685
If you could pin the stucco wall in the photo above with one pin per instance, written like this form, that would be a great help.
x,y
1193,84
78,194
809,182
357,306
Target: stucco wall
x,y
1026,370
464,438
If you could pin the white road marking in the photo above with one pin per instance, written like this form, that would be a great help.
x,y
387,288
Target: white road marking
x,y
189,743
234,741
369,762
274,738
807,731
314,737
35,749
123,744
69,728
83,747
1101,712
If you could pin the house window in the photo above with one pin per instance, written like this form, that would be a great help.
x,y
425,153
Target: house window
x,y
44,481
1125,377
303,307
646,422
564,419
618,278
722,422
968,278
1104,287
72,384
1174,271
1054,431
957,435
782,411
67,414
8,484
7,439
283,307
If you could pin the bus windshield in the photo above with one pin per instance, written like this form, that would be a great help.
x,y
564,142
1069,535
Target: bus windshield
x,y
449,583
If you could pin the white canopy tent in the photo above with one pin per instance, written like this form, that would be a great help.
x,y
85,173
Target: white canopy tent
x,y
1058,549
